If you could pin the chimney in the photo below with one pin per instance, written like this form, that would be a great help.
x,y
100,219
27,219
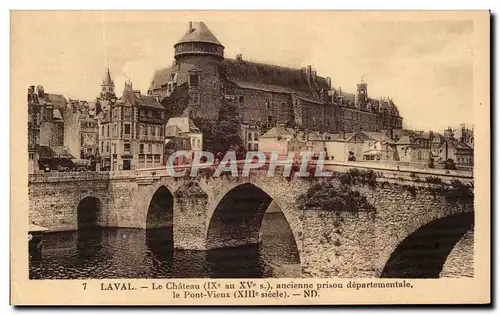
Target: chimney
x,y
39,90
308,72
190,27
329,82
239,57
313,74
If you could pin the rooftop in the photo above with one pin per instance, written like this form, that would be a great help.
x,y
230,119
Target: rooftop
x,y
199,32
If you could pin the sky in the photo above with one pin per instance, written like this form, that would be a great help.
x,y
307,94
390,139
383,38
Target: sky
x,y
426,66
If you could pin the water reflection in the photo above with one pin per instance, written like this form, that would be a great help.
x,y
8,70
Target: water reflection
x,y
136,253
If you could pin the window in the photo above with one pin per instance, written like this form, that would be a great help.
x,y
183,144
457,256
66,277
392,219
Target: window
x,y
255,147
270,120
114,148
107,130
126,147
194,79
249,136
150,148
146,130
150,113
255,136
268,104
141,148
102,146
241,99
154,130
126,129
102,131
156,159
107,147
127,113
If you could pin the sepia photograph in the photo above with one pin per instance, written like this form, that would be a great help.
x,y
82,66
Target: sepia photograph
x,y
298,152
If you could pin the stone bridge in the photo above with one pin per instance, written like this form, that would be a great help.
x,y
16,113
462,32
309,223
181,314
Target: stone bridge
x,y
406,213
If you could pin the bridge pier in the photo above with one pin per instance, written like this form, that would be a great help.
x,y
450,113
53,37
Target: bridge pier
x,y
189,221
338,244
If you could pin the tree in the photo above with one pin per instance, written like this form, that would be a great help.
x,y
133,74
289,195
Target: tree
x,y
226,135
449,164
431,163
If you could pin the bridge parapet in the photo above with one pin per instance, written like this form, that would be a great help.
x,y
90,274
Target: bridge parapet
x,y
68,177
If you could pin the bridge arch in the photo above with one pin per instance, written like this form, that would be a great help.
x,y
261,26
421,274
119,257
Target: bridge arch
x,y
88,212
160,209
235,215
423,252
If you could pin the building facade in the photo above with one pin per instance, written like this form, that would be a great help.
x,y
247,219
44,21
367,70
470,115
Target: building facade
x,y
131,130
46,148
266,96
81,133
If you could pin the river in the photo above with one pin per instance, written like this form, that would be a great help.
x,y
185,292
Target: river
x,y
135,253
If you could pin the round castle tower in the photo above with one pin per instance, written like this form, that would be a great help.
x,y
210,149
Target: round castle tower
x,y
198,41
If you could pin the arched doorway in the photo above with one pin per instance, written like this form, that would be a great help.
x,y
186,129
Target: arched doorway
x,y
423,253
247,240
88,213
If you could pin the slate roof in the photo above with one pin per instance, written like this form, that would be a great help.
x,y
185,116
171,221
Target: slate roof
x,y
60,152
271,77
378,136
183,124
161,77
405,140
148,101
199,33
107,78
57,100
459,145
276,132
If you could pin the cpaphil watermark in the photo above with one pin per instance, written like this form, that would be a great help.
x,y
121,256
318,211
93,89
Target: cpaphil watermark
x,y
303,164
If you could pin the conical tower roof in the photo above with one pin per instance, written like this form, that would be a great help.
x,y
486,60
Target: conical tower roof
x,y
198,32
107,78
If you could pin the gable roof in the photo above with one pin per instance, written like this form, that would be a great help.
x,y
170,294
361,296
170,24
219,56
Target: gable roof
x,y
161,77
276,132
57,100
457,144
183,124
405,140
378,136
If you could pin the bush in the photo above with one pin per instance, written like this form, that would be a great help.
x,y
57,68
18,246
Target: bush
x,y
449,164
326,196
357,176
434,180
190,189
459,192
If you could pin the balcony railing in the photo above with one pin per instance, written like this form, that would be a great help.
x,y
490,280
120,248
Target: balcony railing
x,y
152,120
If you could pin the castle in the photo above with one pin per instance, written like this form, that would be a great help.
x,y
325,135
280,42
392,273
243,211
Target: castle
x,y
203,80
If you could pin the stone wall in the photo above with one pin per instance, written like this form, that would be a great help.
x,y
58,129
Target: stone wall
x,y
460,262
336,244
54,199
